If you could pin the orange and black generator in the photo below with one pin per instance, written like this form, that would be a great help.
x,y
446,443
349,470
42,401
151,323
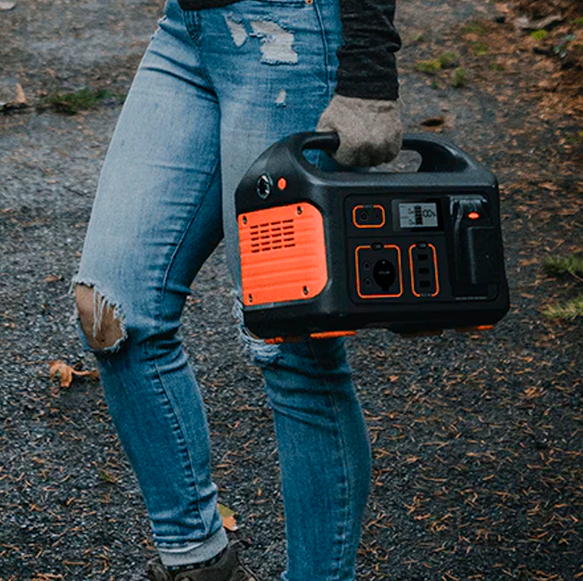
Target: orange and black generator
x,y
324,253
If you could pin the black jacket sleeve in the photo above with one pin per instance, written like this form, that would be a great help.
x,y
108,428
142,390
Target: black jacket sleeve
x,y
368,68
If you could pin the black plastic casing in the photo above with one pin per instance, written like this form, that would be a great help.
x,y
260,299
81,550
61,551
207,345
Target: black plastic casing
x,y
473,286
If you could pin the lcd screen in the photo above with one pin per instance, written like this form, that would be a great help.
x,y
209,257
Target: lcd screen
x,y
419,215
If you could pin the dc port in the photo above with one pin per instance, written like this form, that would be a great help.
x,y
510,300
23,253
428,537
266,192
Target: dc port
x,y
264,186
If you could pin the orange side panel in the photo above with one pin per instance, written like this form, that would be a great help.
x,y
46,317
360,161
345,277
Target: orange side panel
x,y
283,254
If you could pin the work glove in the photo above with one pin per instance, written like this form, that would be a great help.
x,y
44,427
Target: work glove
x,y
370,130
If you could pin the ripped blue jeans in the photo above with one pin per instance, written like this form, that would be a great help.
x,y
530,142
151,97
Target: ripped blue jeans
x,y
215,88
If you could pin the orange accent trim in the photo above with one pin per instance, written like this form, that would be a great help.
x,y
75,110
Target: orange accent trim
x,y
278,340
434,252
332,334
372,225
283,254
282,183
411,270
474,329
384,296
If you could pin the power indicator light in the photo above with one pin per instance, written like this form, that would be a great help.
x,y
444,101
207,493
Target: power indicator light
x,y
473,215
282,183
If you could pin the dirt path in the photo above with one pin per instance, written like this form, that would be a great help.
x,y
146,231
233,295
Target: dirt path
x,y
477,440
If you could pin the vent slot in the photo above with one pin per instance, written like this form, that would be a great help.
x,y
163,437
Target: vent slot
x,y
273,236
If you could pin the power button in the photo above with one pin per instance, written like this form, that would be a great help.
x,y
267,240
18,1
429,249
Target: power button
x,y
368,216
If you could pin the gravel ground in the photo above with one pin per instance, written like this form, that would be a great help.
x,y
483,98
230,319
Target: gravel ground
x,y
477,439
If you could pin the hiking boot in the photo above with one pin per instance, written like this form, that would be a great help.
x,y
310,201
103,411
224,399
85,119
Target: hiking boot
x,y
227,568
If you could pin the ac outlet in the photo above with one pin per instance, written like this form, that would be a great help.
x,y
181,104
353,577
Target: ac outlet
x,y
379,272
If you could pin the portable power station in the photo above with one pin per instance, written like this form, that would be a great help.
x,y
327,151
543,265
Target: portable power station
x,y
326,253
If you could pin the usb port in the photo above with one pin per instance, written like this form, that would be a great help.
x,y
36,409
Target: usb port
x,y
424,274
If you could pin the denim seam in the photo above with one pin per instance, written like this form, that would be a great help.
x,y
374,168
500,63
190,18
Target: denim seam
x,y
325,47
176,429
181,241
157,313
345,482
195,38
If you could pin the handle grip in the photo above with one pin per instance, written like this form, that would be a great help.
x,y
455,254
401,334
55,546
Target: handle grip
x,y
436,155
328,142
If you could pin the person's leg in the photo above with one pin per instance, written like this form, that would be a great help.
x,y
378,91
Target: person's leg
x,y
156,218
273,64
324,455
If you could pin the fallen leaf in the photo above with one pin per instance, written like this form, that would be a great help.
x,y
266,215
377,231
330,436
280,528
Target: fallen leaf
x,y
433,121
526,23
550,186
20,96
529,261
53,278
13,98
228,515
66,372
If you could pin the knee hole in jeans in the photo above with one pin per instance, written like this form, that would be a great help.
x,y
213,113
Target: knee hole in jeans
x,y
101,320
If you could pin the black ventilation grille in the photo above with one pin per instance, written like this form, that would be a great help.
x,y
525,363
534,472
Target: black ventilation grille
x,y
273,236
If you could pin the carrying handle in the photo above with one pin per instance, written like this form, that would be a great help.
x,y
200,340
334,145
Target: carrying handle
x,y
436,155
326,141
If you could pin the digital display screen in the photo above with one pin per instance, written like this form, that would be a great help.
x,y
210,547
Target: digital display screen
x,y
418,215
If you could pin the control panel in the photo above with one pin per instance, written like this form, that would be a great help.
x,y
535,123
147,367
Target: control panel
x,y
433,248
